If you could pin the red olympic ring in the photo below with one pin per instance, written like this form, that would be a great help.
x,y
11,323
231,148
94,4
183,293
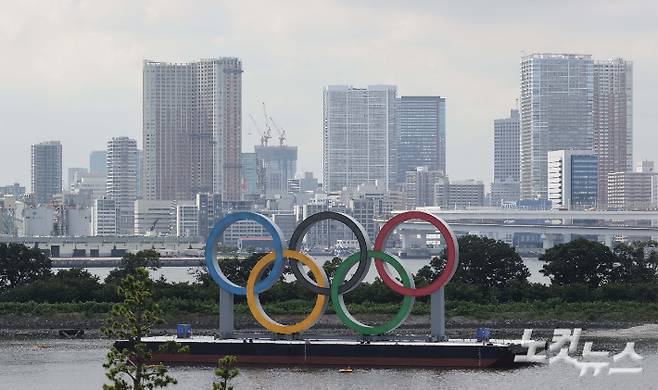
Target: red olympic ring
x,y
451,246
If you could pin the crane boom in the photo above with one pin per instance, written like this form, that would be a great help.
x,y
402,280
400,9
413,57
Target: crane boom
x,y
282,133
268,129
263,136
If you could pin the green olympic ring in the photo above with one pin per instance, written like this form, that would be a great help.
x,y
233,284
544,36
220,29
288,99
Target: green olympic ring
x,y
341,309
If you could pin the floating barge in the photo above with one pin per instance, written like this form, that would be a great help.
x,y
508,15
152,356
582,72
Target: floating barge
x,y
329,352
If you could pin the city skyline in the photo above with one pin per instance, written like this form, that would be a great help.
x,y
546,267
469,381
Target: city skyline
x,y
103,90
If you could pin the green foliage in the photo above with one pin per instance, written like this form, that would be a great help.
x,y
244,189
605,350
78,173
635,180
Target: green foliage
x,y
226,372
37,308
20,265
237,269
132,320
130,262
628,275
482,261
636,262
599,305
331,266
580,261
64,286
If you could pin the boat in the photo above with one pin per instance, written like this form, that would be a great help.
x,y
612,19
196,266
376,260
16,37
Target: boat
x,y
337,352
344,248
346,370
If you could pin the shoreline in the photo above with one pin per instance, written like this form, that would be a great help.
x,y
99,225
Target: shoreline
x,y
33,326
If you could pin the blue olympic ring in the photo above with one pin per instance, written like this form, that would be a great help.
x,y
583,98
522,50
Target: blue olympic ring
x,y
211,252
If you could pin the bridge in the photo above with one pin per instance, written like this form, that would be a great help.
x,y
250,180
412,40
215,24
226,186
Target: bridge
x,y
514,214
551,225
110,246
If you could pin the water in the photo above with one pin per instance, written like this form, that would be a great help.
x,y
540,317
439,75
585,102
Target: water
x,y
186,274
76,364
172,274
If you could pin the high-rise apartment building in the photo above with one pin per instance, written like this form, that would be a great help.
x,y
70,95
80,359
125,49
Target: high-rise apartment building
x,y
458,194
46,170
613,120
250,169
279,164
359,137
630,190
192,128
364,210
209,208
419,187
556,113
98,162
507,133
104,215
15,190
187,219
645,166
421,126
155,217
324,234
122,170
572,179
140,167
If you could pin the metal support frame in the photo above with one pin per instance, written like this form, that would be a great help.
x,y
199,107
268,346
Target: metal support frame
x,y
226,319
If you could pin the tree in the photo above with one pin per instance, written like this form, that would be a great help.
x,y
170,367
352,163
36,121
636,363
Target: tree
x,y
131,320
330,266
226,372
636,262
482,261
580,261
20,265
67,285
130,262
236,269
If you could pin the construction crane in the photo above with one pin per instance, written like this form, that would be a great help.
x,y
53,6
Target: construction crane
x,y
282,133
264,136
267,123
268,129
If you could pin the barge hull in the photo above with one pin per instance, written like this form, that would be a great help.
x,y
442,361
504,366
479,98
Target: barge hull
x,y
336,353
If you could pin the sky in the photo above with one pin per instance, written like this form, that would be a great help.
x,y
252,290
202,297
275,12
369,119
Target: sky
x,y
72,70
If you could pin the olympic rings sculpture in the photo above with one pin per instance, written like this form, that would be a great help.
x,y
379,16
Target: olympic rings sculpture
x,y
335,289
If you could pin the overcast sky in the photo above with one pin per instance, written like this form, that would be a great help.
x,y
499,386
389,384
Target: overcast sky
x,y
71,70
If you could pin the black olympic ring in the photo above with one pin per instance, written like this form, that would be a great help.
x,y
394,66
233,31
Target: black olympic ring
x,y
361,236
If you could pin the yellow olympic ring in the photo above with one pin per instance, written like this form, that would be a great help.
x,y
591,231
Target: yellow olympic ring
x,y
253,299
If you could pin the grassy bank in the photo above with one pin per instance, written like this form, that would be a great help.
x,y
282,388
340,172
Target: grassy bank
x,y
530,310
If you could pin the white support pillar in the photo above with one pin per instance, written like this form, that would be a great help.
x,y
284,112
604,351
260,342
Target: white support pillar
x,y
608,239
438,315
225,314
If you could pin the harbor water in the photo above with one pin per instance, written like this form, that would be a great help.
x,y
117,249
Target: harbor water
x,y
77,364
